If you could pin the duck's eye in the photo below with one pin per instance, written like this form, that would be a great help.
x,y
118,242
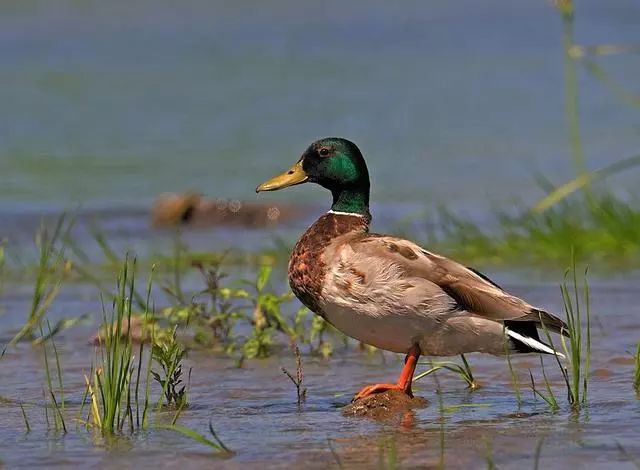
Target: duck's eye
x,y
324,151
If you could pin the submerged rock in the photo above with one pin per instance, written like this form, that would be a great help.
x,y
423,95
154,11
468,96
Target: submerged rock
x,y
384,405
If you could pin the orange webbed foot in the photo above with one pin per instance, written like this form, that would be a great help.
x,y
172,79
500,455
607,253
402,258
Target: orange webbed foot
x,y
404,381
379,388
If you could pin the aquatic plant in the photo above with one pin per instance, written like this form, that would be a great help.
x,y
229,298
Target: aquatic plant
x,y
25,419
388,454
515,382
579,350
463,371
267,316
441,419
141,421
168,355
549,397
597,230
213,312
85,267
50,272
299,377
214,443
488,456
319,327
314,333
597,225
56,404
109,387
220,316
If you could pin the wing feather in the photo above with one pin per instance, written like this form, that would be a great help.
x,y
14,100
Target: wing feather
x,y
470,289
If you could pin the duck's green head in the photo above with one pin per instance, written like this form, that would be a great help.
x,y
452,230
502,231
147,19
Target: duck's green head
x,y
335,164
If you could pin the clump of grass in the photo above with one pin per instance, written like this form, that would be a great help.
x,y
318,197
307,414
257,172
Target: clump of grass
x,y
577,309
49,276
210,317
463,371
216,320
56,404
212,313
598,229
579,349
319,327
594,223
549,397
315,333
110,385
168,355
299,377
267,316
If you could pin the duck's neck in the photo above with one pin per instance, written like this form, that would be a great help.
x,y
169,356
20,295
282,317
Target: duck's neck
x,y
351,201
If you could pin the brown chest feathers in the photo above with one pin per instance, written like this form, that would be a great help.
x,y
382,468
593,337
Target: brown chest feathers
x,y
307,269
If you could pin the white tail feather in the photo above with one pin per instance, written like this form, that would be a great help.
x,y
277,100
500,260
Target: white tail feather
x,y
533,343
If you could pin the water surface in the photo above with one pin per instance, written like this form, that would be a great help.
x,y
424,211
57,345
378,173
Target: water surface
x,y
458,103
107,104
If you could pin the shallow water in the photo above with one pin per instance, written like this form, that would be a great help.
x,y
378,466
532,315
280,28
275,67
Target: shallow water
x,y
254,408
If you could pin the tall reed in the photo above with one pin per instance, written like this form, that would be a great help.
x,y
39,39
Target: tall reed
x,y
463,371
577,308
49,275
109,387
56,404
579,351
214,442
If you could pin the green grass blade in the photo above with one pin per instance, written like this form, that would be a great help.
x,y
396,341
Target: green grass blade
x,y
213,444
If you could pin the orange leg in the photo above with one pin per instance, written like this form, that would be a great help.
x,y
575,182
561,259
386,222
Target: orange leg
x,y
404,381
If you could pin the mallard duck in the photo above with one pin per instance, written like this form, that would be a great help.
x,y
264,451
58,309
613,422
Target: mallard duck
x,y
389,292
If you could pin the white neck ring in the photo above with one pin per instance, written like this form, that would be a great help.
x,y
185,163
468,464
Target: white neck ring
x,y
354,214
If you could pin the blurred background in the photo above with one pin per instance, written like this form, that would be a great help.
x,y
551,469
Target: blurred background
x,y
108,104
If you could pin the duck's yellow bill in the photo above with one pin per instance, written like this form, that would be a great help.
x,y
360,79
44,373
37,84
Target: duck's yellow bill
x,y
295,175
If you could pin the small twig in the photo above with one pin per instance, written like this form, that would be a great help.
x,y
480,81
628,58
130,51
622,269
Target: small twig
x,y
299,378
